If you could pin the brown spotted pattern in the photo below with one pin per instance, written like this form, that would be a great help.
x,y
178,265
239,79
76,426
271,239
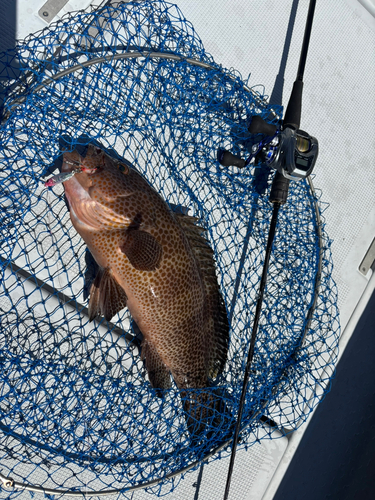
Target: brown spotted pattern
x,y
161,262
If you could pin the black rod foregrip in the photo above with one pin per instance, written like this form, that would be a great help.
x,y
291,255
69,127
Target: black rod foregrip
x,y
259,126
292,116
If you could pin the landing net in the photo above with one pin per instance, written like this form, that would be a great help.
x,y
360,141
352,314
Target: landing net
x,y
77,411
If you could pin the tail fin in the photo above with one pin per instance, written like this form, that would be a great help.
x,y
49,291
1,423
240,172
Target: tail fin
x,y
207,415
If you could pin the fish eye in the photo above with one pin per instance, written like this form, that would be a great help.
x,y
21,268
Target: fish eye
x,y
98,150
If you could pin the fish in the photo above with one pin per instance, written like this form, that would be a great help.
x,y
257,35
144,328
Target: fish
x,y
158,264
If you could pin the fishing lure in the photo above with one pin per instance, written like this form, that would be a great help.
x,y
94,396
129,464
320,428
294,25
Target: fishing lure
x,y
62,177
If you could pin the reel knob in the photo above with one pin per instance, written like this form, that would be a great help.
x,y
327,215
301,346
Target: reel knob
x,y
228,159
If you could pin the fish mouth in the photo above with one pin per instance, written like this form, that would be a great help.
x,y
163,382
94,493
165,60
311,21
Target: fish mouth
x,y
88,170
77,167
89,163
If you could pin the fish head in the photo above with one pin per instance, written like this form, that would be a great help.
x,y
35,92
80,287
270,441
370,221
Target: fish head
x,y
104,195
104,192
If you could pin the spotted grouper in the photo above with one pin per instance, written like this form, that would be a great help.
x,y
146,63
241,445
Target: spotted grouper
x,y
156,263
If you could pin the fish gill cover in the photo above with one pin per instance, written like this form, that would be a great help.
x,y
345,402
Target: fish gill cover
x,y
77,412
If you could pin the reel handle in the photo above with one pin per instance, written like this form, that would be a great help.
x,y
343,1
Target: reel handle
x,y
228,159
259,126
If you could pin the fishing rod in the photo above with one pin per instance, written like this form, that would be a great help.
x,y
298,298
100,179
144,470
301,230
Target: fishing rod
x,y
292,153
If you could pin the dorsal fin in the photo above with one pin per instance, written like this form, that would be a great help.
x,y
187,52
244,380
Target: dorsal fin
x,y
216,306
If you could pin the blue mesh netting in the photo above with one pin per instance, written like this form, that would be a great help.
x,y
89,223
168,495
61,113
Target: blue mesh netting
x,y
76,411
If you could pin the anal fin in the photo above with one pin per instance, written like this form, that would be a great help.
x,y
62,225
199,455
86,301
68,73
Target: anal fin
x,y
107,298
158,373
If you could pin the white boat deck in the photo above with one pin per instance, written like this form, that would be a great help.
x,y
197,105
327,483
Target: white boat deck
x,y
339,109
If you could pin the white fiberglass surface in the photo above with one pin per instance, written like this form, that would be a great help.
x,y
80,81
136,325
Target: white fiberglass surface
x,y
338,109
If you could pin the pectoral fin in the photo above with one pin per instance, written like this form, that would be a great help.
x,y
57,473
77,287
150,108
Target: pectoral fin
x,y
107,298
158,373
143,250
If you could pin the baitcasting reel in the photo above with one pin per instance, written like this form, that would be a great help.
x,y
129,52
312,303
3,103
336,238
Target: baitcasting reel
x,y
291,152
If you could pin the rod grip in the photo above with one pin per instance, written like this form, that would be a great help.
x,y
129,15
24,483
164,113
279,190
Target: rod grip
x,y
259,126
292,116
279,189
